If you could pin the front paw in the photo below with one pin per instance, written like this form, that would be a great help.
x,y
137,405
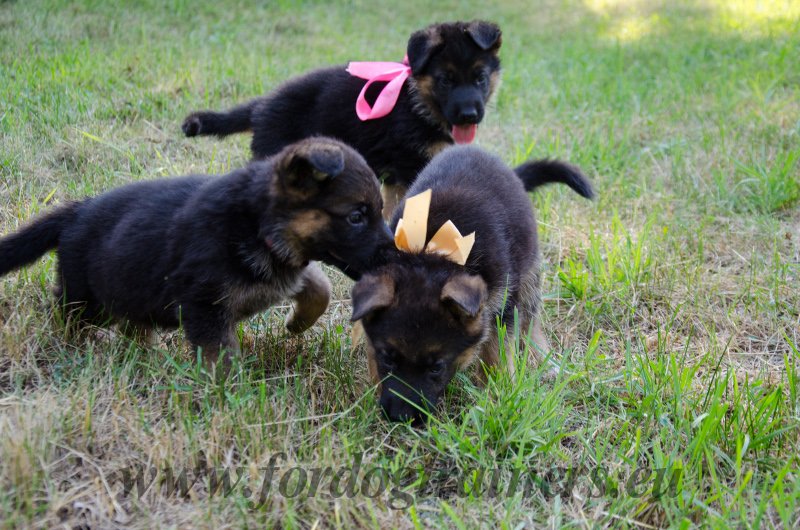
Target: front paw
x,y
296,322
192,125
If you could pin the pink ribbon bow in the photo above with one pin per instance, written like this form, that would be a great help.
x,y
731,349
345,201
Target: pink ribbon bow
x,y
395,73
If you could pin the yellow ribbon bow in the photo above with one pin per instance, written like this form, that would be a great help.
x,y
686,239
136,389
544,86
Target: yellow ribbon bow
x,y
412,230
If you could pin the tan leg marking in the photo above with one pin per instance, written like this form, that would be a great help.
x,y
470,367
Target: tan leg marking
x,y
138,333
372,366
312,300
217,358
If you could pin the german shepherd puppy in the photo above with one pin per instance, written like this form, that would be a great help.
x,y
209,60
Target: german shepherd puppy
x,y
454,71
425,316
209,251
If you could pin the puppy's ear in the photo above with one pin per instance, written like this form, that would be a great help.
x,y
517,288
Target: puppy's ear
x,y
311,164
421,46
371,293
464,295
485,34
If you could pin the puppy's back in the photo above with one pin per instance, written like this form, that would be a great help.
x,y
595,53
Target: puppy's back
x,y
479,192
482,180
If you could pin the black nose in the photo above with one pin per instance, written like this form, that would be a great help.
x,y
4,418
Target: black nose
x,y
468,115
395,409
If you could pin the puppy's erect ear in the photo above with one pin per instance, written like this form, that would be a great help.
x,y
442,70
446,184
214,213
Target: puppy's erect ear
x,y
421,46
311,164
485,34
371,293
464,294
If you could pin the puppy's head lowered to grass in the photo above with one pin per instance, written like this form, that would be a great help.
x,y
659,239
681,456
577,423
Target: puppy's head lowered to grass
x,y
428,308
424,317
326,206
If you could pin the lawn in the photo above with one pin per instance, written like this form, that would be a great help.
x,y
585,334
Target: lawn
x,y
671,301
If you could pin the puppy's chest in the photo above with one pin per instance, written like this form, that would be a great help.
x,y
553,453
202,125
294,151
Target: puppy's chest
x,y
265,284
244,299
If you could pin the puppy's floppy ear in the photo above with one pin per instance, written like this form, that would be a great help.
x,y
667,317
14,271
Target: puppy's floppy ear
x,y
464,294
371,293
310,164
485,34
421,46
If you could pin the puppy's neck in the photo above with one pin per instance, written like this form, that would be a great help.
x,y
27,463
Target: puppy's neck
x,y
425,109
259,245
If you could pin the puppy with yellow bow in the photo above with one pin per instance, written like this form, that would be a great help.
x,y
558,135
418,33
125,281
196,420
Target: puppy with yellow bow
x,y
431,309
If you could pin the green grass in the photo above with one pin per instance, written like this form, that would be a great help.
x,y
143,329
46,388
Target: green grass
x,y
671,302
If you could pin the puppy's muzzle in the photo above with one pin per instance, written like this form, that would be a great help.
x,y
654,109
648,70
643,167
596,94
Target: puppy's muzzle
x,y
403,402
397,409
468,115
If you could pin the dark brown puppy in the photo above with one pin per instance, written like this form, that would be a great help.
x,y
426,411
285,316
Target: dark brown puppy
x,y
426,317
455,69
209,251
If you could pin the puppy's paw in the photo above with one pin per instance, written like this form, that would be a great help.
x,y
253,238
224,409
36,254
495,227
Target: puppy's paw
x,y
311,301
192,125
104,335
297,322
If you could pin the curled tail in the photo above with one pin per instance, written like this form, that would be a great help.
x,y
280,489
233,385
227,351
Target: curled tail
x,y
205,123
24,246
539,172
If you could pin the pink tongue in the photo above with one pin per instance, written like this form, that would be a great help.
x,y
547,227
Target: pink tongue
x,y
464,134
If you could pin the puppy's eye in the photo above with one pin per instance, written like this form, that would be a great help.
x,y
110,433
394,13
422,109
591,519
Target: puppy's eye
x,y
387,359
481,77
356,217
445,80
436,369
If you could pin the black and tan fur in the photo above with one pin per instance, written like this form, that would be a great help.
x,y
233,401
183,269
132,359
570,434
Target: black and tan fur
x,y
209,251
455,70
426,317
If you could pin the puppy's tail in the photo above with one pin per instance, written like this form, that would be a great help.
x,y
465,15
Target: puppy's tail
x,y
205,123
24,246
539,172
